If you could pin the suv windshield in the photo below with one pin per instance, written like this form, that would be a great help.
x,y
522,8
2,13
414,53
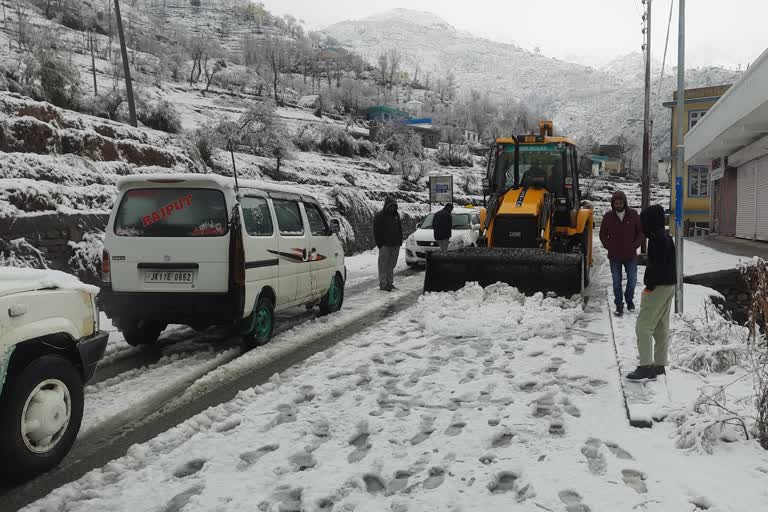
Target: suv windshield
x,y
459,221
172,212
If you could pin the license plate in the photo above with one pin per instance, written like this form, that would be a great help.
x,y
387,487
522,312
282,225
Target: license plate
x,y
168,276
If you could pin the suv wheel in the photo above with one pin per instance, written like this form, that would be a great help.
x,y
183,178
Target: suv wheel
x,y
334,297
262,325
142,333
42,410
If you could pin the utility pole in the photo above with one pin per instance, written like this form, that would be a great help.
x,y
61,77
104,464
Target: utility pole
x,y
680,158
645,180
126,66
91,39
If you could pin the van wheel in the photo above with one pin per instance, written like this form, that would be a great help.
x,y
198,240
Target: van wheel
x,y
334,297
262,325
142,333
42,410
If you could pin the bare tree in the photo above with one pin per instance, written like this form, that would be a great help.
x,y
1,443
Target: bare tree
x,y
395,56
276,56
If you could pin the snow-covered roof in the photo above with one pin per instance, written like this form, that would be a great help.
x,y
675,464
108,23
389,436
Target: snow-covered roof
x,y
223,182
739,118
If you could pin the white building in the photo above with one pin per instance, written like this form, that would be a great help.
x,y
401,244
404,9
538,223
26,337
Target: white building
x,y
735,132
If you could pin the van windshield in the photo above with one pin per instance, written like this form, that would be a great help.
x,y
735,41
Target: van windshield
x,y
172,212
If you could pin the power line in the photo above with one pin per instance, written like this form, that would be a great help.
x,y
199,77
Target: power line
x,y
666,45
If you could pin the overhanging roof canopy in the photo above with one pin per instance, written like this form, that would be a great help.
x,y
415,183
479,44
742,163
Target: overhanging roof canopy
x,y
738,119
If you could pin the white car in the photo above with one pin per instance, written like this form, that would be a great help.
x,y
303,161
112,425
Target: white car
x,y
194,249
464,233
50,344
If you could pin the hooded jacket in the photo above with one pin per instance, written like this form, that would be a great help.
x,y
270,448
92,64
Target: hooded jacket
x,y
620,237
442,224
662,266
387,228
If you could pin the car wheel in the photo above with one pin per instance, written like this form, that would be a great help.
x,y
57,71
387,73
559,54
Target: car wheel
x,y
334,297
42,410
142,333
262,325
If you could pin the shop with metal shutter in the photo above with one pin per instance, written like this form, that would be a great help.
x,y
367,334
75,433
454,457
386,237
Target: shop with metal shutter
x,y
761,174
746,186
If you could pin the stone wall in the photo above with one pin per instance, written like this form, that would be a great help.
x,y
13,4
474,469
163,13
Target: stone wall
x,y
50,233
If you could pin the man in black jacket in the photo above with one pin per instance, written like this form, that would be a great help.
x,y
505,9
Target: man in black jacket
x,y
442,224
388,234
660,279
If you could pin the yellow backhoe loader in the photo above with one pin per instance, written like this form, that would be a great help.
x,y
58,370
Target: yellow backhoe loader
x,y
537,234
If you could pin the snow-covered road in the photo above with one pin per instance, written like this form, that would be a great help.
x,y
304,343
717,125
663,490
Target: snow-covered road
x,y
474,400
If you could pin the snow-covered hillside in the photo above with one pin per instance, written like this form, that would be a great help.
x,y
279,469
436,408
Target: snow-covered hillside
x,y
581,100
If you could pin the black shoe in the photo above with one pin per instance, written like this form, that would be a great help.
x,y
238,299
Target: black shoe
x,y
660,370
643,373
619,312
630,307
392,287
388,288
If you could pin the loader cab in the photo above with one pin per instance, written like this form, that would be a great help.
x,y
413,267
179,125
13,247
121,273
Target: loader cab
x,y
548,163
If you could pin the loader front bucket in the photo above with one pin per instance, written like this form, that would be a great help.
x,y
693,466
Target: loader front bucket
x,y
528,270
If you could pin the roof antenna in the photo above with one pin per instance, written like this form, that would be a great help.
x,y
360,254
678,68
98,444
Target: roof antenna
x,y
234,167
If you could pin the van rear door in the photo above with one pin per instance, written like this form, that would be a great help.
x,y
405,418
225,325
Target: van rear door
x,y
170,238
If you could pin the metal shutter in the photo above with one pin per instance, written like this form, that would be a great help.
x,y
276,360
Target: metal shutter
x,y
761,226
745,204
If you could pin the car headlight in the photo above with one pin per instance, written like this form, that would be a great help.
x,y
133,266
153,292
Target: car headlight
x,y
411,240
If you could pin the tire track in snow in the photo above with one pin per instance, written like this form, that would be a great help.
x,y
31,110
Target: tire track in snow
x,y
102,445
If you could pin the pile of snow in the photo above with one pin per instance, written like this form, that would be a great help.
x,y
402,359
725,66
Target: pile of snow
x,y
42,279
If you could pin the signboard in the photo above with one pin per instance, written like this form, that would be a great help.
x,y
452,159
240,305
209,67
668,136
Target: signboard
x,y
678,202
717,174
440,189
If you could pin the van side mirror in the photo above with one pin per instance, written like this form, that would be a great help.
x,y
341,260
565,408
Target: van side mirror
x,y
335,226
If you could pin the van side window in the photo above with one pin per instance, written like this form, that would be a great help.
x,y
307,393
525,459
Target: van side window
x,y
317,223
288,217
257,217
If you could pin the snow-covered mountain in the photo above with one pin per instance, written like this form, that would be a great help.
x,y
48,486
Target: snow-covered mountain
x,y
582,101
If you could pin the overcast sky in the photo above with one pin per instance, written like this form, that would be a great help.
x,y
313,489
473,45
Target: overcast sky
x,y
719,32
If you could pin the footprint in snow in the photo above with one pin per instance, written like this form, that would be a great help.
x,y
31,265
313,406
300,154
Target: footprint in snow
x,y
470,376
287,499
435,479
361,444
251,457
190,468
635,479
502,439
422,436
303,461
286,413
557,426
618,451
503,482
306,394
572,501
455,428
373,484
579,348
399,482
595,459
180,501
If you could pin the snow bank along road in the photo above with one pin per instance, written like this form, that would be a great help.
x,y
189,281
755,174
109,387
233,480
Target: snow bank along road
x,y
473,400
140,393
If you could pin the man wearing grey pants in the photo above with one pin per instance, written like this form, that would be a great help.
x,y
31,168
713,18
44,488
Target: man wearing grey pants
x,y
388,234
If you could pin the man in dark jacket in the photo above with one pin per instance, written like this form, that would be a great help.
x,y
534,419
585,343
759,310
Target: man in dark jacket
x,y
388,234
622,234
660,279
442,223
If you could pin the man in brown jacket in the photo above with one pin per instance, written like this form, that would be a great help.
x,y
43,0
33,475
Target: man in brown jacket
x,y
621,233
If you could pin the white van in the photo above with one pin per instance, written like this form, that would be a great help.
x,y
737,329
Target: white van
x,y
190,249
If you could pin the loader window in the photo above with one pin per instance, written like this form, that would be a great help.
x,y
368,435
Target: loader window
x,y
541,165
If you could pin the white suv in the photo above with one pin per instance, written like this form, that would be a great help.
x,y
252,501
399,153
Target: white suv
x,y
198,250
50,344
465,232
